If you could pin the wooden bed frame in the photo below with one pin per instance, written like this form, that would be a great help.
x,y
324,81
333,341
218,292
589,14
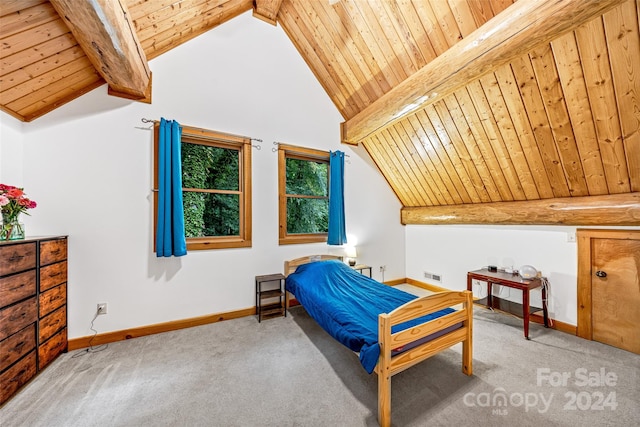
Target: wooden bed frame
x,y
389,365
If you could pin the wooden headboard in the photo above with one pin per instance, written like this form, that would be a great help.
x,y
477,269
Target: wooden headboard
x,y
291,265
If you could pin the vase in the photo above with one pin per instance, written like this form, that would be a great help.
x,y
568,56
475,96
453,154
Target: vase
x,y
12,228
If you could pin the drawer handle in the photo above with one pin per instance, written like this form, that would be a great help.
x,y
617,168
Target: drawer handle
x,y
16,257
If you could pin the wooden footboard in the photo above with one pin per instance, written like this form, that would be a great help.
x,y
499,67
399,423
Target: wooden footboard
x,y
389,365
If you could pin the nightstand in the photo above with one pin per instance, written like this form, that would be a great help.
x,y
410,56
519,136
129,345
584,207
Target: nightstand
x,y
270,296
361,267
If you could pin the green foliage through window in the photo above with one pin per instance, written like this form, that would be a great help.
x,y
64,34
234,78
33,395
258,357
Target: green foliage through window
x,y
211,183
307,196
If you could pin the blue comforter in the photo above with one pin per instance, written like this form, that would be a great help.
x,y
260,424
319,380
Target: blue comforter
x,y
346,304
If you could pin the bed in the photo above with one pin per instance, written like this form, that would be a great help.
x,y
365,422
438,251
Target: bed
x,y
389,329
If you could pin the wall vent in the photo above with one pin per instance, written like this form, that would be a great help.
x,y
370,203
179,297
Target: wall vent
x,y
433,276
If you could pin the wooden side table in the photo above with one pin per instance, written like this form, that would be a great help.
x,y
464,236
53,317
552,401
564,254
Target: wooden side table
x,y
361,267
269,296
511,281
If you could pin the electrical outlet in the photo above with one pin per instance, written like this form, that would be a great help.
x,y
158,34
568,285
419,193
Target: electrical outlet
x,y
102,308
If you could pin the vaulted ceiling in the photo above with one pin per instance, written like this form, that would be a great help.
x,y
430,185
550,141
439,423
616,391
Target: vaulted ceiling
x,y
474,110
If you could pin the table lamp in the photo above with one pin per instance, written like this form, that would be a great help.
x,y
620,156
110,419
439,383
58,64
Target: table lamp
x,y
351,254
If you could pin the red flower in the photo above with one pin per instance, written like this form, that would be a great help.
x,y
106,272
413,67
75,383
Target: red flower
x,y
14,193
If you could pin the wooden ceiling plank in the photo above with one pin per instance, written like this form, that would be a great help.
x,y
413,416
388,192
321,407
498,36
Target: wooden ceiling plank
x,y
32,37
59,99
29,93
107,36
357,53
506,127
414,160
565,53
463,16
173,36
465,141
26,19
432,28
404,42
481,11
267,10
43,67
499,5
418,34
397,156
617,209
390,34
539,124
37,53
482,142
623,39
10,7
298,34
438,172
495,139
522,127
457,151
348,61
184,16
373,18
516,31
165,14
428,170
445,18
359,32
439,140
439,156
592,48
548,80
64,87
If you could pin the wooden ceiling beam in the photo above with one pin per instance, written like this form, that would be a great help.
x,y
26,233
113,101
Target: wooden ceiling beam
x,y
104,31
615,209
267,10
510,34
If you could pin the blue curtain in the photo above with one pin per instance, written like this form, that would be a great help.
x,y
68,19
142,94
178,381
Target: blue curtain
x,y
170,238
337,229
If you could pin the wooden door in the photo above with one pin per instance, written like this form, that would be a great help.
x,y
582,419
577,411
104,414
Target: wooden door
x,y
613,280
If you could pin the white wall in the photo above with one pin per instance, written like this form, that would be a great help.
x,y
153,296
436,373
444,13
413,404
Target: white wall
x,y
89,168
452,251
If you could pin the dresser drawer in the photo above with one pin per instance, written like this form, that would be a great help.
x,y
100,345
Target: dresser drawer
x,y
16,376
16,346
17,287
51,349
52,299
53,275
16,317
53,251
52,323
17,258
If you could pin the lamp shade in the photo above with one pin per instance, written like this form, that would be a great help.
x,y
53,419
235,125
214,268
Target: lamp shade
x,y
350,252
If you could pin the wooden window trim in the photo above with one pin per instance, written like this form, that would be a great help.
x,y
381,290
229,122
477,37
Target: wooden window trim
x,y
223,140
290,151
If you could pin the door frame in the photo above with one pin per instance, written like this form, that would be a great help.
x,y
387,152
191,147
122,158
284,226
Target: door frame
x,y
583,238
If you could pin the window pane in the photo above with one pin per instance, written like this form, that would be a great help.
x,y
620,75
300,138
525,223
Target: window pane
x,y
209,214
306,177
211,168
307,215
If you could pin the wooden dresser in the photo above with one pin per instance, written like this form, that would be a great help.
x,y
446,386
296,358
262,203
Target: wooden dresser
x,y
33,308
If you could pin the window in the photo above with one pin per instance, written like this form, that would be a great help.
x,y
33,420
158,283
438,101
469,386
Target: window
x,y
303,191
216,188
